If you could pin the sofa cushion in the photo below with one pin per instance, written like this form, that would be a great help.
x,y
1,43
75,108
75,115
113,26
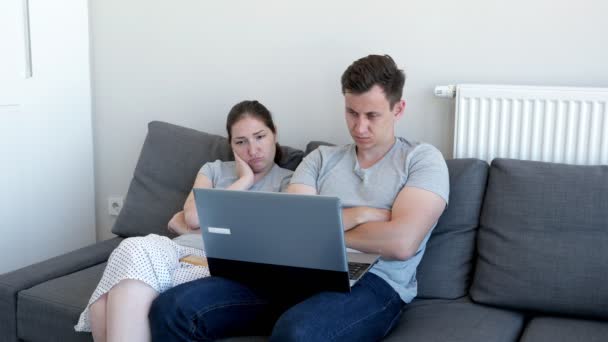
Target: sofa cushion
x,y
446,269
564,330
13,282
542,239
456,320
49,311
168,164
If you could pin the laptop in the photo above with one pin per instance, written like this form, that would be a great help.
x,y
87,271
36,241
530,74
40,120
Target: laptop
x,y
278,240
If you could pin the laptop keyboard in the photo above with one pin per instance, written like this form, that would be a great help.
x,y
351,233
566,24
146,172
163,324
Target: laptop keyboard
x,y
356,269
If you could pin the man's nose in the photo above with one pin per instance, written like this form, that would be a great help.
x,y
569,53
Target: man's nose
x,y
361,125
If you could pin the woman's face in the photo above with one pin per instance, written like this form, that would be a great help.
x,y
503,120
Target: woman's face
x,y
254,142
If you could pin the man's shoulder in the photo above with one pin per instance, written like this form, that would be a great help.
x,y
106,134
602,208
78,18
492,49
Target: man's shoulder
x,y
409,148
329,152
334,149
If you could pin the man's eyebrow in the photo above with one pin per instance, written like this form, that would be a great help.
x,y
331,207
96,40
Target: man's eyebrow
x,y
367,113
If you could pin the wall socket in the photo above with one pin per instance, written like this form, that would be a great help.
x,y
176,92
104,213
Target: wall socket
x,y
114,205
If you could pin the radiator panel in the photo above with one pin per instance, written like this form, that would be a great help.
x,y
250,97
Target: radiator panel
x,y
552,124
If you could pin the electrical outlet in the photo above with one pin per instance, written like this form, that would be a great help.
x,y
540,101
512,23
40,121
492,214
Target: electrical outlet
x,y
114,205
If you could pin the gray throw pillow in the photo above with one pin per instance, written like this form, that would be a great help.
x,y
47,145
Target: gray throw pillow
x,y
542,239
168,164
446,269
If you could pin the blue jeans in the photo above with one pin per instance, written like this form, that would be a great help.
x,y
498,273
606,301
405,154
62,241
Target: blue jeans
x,y
213,308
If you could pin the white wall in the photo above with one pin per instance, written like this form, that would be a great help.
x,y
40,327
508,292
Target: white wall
x,y
189,61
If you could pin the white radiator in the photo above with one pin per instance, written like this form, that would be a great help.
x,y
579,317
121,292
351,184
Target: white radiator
x,y
553,124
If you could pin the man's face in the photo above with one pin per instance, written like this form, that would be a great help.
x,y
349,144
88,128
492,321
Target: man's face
x,y
370,118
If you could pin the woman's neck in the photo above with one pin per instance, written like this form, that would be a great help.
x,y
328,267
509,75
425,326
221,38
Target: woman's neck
x,y
258,176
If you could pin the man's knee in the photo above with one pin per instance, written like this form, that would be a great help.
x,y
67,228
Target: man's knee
x,y
289,330
162,310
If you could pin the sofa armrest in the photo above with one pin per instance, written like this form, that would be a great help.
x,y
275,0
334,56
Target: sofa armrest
x,y
13,282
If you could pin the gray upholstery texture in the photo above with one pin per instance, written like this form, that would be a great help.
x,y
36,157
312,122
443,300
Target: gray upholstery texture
x,y
446,268
13,282
458,320
553,329
542,239
170,159
49,311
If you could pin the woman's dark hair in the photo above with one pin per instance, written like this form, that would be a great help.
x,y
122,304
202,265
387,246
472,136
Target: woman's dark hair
x,y
254,109
368,71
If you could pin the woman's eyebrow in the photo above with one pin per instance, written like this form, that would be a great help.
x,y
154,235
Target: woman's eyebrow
x,y
256,133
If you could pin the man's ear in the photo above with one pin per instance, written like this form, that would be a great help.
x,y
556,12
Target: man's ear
x,y
398,109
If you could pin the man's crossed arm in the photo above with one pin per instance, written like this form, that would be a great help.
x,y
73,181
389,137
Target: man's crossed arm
x,y
396,234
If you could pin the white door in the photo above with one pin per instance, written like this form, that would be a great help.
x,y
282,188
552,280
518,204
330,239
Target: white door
x,y
46,147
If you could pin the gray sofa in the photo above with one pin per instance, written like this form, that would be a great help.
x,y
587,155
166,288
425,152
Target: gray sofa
x,y
520,254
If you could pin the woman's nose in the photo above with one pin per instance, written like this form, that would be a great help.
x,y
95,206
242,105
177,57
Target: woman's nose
x,y
253,148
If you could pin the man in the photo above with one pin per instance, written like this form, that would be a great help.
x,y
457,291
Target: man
x,y
393,192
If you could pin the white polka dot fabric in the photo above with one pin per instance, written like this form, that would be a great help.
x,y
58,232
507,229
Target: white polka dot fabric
x,y
152,259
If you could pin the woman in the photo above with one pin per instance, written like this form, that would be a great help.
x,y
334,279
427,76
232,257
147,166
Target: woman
x,y
142,267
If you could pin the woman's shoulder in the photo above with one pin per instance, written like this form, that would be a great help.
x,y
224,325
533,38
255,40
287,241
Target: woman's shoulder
x,y
219,164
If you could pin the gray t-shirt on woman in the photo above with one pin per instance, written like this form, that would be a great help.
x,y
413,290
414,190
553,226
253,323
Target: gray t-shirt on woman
x,y
222,175
335,171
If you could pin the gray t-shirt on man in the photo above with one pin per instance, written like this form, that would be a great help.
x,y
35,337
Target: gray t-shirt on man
x,y
335,171
222,175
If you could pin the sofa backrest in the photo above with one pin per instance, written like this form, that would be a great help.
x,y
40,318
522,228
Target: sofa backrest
x,y
542,239
169,161
446,269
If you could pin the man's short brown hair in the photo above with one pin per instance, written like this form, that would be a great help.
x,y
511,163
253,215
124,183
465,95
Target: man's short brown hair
x,y
368,71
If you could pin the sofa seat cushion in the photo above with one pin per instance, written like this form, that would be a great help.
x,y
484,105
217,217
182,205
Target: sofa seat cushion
x,y
542,239
456,320
554,329
49,311
446,269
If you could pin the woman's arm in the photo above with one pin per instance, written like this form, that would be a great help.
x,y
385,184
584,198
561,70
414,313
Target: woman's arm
x,y
190,214
244,181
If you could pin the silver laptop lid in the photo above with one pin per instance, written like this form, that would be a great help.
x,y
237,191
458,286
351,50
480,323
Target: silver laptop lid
x,y
272,228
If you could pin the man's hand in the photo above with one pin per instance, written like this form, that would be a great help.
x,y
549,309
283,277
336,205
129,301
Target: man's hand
x,y
178,225
352,217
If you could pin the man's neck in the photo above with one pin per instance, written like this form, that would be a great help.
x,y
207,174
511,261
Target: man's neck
x,y
367,158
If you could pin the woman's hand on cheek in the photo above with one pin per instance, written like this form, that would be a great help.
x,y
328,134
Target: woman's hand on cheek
x,y
243,170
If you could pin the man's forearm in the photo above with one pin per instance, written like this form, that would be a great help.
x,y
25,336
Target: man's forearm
x,y
389,239
352,217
